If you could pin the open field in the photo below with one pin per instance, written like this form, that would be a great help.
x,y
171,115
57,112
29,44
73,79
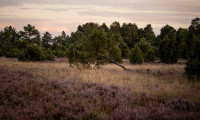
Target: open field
x,y
155,91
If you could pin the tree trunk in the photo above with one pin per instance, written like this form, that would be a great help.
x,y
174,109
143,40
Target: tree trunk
x,y
113,61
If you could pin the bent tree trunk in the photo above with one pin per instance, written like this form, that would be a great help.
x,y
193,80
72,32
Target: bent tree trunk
x,y
113,61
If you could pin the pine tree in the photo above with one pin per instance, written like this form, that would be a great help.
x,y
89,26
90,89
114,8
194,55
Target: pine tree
x,y
136,56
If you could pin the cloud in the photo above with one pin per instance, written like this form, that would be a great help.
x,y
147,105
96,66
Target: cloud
x,y
70,14
42,25
56,9
162,5
145,16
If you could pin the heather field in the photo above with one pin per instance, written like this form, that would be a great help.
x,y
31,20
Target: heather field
x,y
54,90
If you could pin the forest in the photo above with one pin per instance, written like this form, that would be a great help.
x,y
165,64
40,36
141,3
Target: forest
x,y
120,72
99,44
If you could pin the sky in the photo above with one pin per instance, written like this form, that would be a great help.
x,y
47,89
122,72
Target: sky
x,y
56,16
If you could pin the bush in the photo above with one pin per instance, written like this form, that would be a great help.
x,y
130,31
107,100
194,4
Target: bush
x,y
49,55
76,100
147,50
13,53
59,53
136,56
168,51
156,51
73,54
170,48
116,54
32,53
125,50
193,68
193,64
144,45
150,56
1,52
21,56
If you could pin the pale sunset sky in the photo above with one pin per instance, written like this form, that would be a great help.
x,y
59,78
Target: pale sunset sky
x,y
56,16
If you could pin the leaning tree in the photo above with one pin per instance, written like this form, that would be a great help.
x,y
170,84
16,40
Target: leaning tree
x,y
96,48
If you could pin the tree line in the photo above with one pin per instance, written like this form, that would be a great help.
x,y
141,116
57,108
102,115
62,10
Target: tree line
x,y
98,44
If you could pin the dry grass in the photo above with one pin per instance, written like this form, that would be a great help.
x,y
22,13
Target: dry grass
x,y
153,79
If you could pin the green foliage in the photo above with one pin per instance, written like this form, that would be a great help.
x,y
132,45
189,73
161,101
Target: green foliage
x,y
147,50
193,68
1,47
156,51
49,55
77,56
180,42
167,44
97,44
1,52
125,50
193,64
8,39
150,56
64,38
149,34
60,53
32,53
165,51
21,44
31,35
88,28
114,42
156,42
116,54
46,40
144,45
59,42
36,53
13,53
130,34
94,46
136,56
115,27
169,48
166,30
74,54
193,30
76,37
21,56
104,27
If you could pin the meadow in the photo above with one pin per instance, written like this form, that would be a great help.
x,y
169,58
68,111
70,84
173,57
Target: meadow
x,y
54,90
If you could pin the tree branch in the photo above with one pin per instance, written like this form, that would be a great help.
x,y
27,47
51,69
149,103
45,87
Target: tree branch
x,y
113,61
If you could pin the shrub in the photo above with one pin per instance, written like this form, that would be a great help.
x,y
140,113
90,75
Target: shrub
x,y
170,47
32,53
147,50
144,45
73,53
21,56
125,50
193,68
25,95
156,51
13,53
150,56
49,55
193,64
1,52
166,51
116,54
136,56
60,53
